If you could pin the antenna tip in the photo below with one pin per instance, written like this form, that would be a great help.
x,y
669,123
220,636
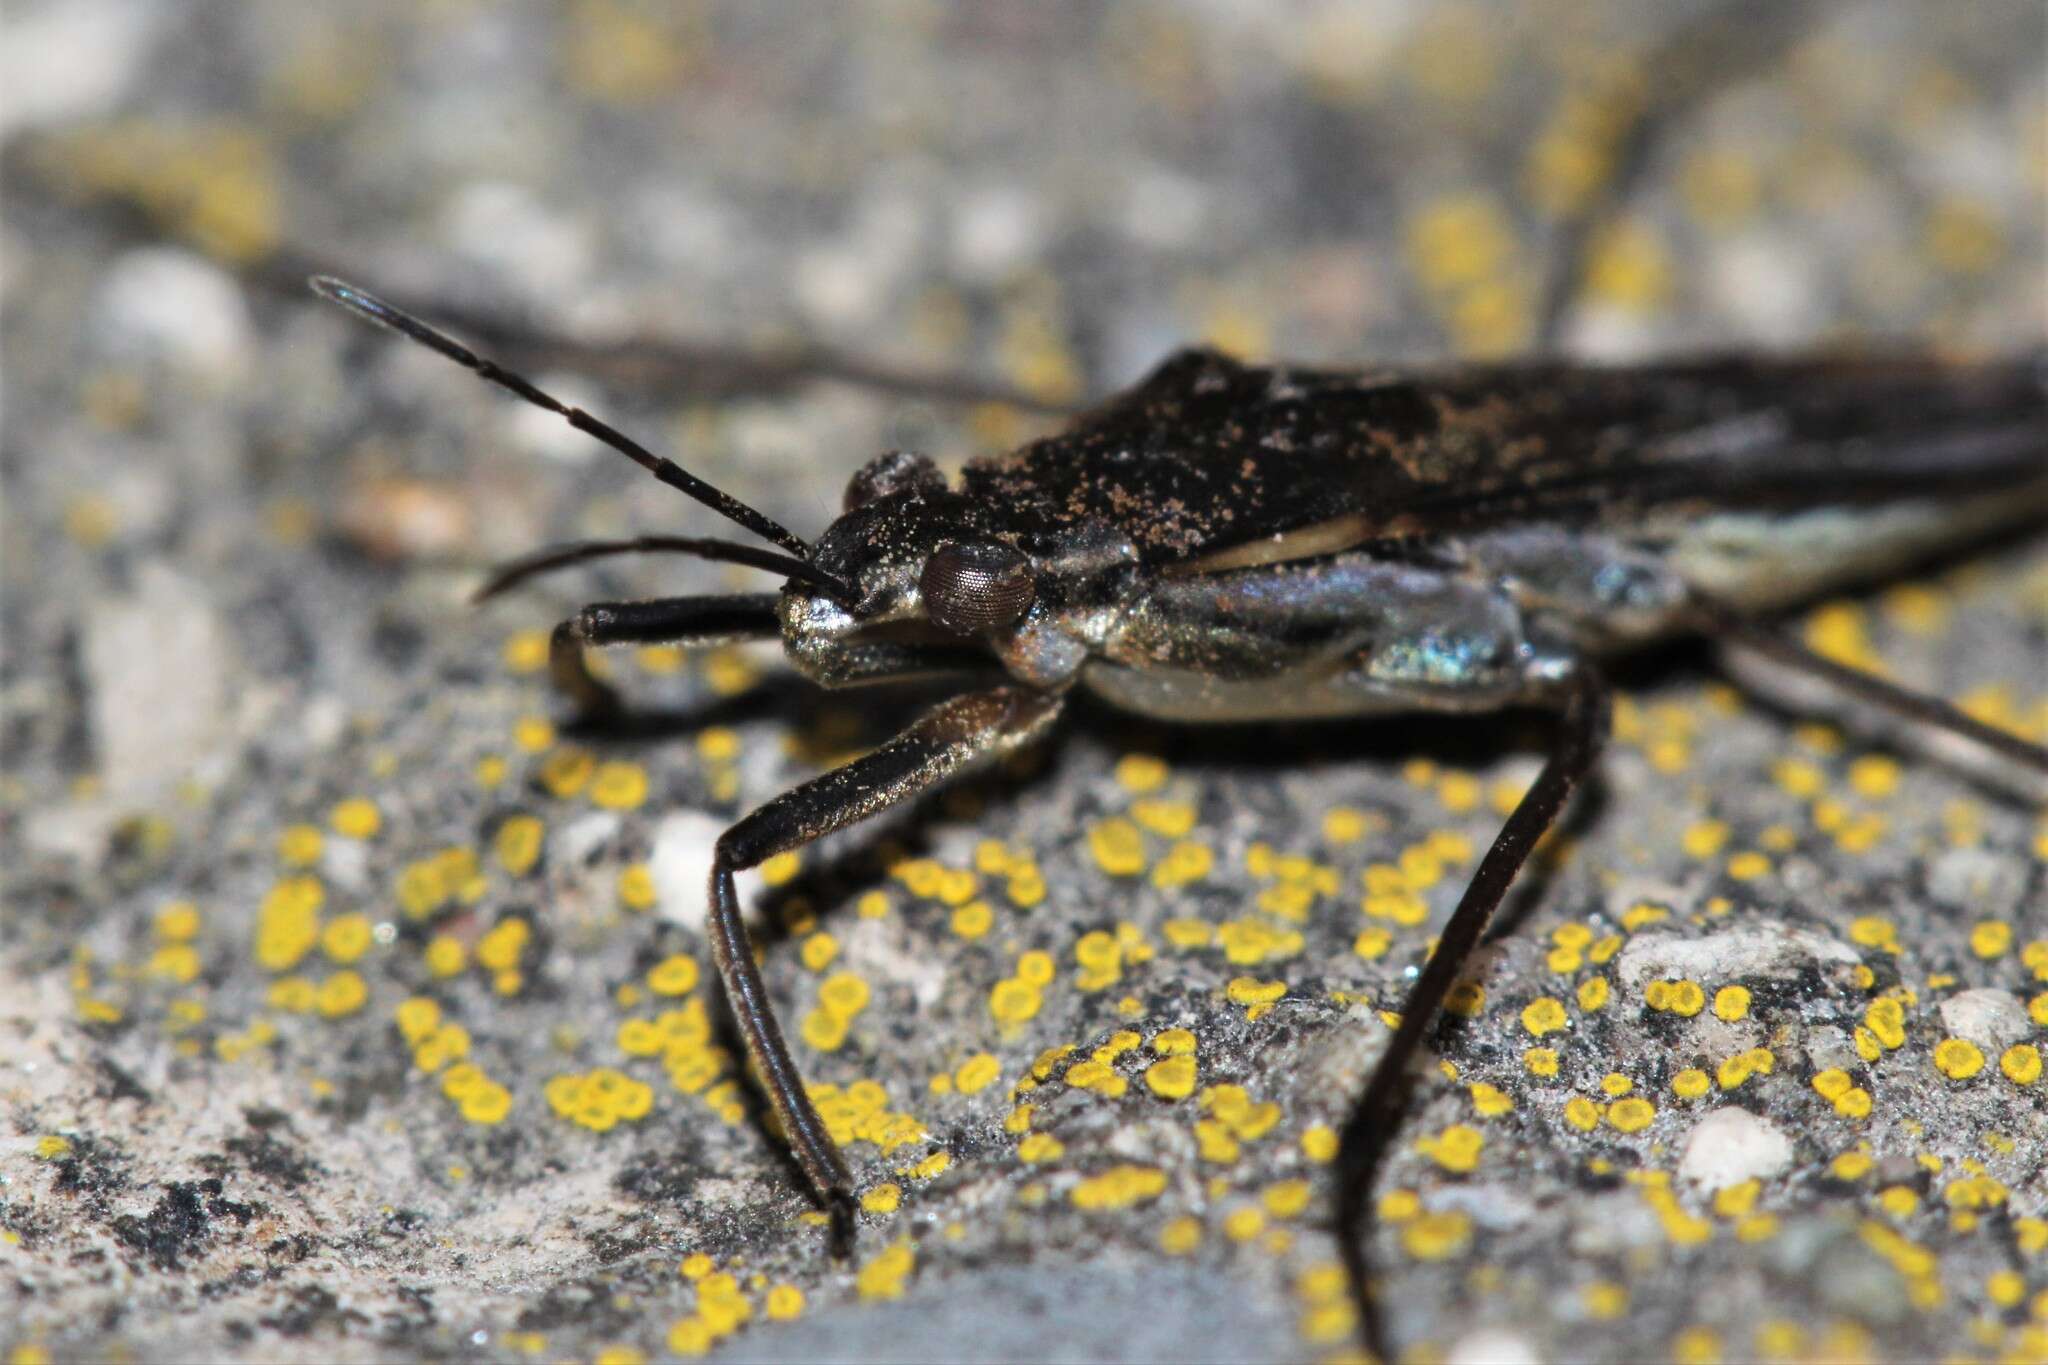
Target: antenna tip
x,y
358,301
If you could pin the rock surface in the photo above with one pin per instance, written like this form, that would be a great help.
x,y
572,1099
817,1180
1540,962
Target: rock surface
x,y
355,1007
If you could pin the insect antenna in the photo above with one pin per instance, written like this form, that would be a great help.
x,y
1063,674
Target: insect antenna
x,y
549,558
368,305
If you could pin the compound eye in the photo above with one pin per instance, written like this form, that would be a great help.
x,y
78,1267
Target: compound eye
x,y
973,587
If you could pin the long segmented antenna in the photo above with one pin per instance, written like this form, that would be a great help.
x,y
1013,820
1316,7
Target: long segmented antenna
x,y
368,305
515,571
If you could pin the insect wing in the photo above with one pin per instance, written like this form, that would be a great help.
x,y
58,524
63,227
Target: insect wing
x,y
1208,455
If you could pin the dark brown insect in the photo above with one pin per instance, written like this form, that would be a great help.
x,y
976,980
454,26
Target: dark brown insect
x,y
1235,542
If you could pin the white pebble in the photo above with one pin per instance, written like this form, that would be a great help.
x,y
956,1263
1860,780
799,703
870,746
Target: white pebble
x,y
835,287
1492,1346
1164,210
1764,950
345,863
157,666
66,61
522,235
1732,1145
995,230
1978,881
1992,1019
681,867
1765,282
575,841
162,303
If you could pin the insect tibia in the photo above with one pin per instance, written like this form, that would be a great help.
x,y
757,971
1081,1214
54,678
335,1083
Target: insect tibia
x,y
1770,662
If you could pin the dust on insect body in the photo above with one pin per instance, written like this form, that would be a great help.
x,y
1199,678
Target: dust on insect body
x,y
1230,542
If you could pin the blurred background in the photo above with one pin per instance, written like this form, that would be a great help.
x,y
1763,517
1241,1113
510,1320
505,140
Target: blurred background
x,y
677,213
772,239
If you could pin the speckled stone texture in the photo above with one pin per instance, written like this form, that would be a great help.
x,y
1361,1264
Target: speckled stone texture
x,y
352,1007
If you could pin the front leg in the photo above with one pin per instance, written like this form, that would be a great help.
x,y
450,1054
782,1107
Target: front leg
x,y
942,742
687,621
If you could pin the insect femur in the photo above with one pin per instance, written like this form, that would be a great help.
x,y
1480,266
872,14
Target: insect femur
x,y
974,586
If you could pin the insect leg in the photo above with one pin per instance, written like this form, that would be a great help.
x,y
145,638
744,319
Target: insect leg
x,y
939,744
1699,59
1868,687
667,621
1369,1132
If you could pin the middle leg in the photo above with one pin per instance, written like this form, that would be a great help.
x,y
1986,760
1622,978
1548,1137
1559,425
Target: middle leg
x,y
1374,1120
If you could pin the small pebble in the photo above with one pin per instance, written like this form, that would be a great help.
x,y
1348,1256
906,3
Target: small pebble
x,y
1732,1145
1992,1019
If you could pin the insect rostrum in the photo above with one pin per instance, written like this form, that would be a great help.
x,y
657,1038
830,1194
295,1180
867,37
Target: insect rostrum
x,y
1228,542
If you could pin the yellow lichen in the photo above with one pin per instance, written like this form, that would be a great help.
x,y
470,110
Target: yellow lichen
x,y
600,1099
1014,1001
1435,1236
636,889
518,844
177,922
1245,990
1140,774
1543,1015
1117,847
499,949
1631,1115
1490,1101
347,938
1958,1058
1040,1147
1456,1149
288,922
445,956
1582,1114
1691,1083
1172,1078
676,974
566,772
976,1073
884,1277
343,993
619,785
1119,1187
1243,1224
1886,1020
299,845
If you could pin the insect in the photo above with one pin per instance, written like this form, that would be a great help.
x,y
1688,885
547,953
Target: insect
x,y
1233,542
